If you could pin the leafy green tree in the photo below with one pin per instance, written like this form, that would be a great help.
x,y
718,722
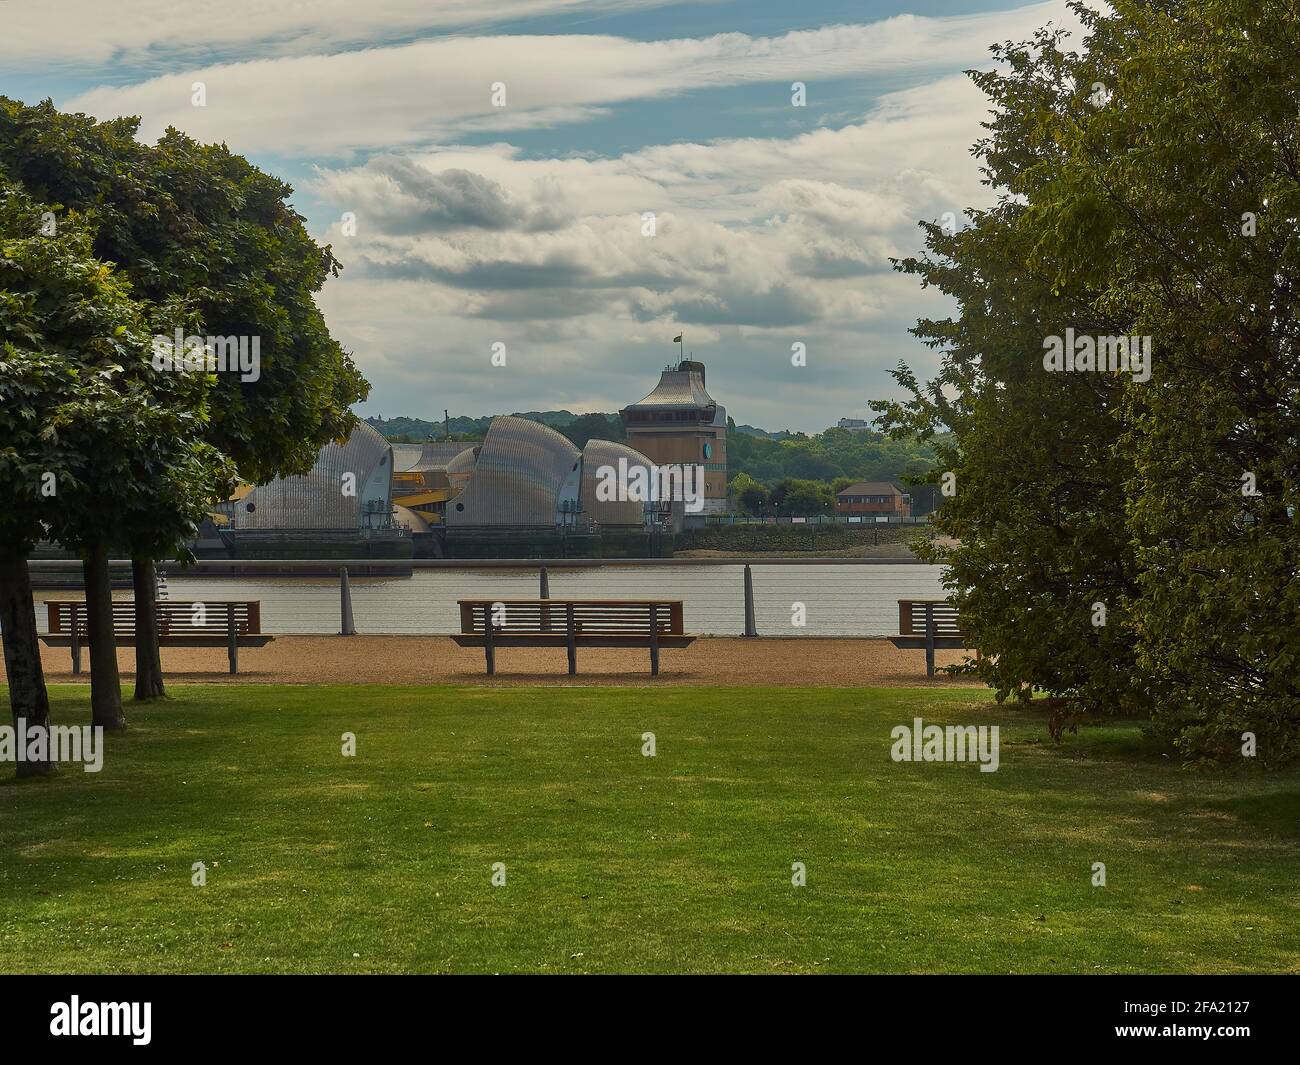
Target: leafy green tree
x,y
1112,552
143,464
36,375
748,494
835,453
87,438
600,426
916,475
1184,190
1037,500
793,497
206,239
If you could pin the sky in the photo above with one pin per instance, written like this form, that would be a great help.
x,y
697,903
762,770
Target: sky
x,y
577,181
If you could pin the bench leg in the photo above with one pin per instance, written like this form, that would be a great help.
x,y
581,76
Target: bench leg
x,y
489,652
573,646
929,641
232,646
654,643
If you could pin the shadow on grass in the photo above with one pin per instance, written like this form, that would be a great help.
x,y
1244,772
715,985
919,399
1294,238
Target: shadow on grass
x,y
1276,813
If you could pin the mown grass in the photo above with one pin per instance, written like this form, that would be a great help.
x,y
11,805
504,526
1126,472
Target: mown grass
x,y
617,862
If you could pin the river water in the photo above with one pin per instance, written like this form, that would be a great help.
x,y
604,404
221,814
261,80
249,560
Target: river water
x,y
837,600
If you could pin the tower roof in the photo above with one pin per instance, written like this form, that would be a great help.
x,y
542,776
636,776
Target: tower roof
x,y
679,388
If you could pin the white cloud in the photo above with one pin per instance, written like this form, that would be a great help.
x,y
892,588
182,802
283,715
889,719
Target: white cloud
x,y
760,242
742,211
434,90
157,33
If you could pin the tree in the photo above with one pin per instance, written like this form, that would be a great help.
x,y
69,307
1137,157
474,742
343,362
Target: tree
x,y
835,453
81,438
1112,551
35,376
586,426
1036,501
208,241
748,494
925,494
139,461
1184,187
798,498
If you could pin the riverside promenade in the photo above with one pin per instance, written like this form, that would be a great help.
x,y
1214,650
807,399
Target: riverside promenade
x,y
797,661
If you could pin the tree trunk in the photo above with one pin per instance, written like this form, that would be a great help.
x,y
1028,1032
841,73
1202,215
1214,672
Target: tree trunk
x,y
148,662
22,654
105,682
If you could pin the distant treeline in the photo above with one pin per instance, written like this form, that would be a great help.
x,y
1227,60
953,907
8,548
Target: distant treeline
x,y
815,467
795,470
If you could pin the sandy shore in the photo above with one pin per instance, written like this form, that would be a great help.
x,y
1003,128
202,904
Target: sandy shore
x,y
791,662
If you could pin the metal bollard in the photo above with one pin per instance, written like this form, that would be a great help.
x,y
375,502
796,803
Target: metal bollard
x,y
750,628
346,625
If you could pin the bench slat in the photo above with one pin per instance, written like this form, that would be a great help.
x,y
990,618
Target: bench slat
x,y
945,619
571,623
176,618
218,623
525,616
911,617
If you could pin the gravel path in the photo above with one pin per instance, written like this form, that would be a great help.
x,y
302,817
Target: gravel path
x,y
720,661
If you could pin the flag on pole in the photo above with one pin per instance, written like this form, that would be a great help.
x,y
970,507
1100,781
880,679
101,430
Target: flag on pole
x,y
677,339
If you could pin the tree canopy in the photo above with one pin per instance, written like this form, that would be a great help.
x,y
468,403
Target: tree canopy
x,y
185,241
1111,552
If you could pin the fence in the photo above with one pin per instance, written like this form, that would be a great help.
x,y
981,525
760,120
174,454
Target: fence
x,y
701,521
767,596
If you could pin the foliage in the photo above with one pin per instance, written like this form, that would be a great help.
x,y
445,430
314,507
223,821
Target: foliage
x,y
588,426
748,495
835,453
418,430
87,442
792,497
1127,174
208,243
191,241
1202,192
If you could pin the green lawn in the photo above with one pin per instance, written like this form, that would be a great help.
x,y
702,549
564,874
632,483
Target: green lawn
x,y
619,862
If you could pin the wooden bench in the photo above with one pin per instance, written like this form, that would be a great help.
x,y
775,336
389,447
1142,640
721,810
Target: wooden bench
x,y
571,623
929,623
212,623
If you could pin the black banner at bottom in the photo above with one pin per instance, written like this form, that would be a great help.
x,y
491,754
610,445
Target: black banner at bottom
x,y
142,1013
